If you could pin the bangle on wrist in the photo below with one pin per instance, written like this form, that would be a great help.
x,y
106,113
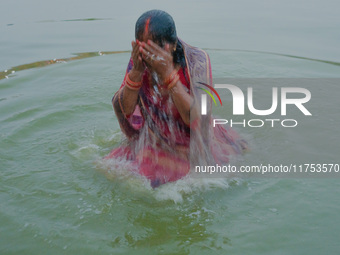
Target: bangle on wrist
x,y
131,87
131,84
173,82
168,80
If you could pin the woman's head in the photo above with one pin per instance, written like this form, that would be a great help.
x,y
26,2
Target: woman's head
x,y
158,26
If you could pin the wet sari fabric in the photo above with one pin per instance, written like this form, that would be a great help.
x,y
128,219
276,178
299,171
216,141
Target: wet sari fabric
x,y
160,146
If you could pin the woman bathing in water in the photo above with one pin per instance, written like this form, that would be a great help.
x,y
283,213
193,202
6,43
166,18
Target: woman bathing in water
x,y
158,106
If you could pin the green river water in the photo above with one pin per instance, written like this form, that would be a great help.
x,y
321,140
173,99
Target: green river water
x,y
57,195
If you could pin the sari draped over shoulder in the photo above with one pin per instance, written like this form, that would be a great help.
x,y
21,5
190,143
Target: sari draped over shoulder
x,y
159,143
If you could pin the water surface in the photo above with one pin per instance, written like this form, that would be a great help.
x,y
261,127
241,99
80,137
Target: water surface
x,y
58,196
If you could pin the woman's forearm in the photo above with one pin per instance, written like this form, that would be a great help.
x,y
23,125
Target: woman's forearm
x,y
129,96
129,100
183,102
124,123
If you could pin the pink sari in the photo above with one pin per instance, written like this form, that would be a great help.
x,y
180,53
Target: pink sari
x,y
160,145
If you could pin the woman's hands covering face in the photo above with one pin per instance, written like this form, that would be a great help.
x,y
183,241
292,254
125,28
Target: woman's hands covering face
x,y
159,59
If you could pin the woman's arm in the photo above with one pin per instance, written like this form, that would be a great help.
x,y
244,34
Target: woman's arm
x,y
183,102
125,100
129,96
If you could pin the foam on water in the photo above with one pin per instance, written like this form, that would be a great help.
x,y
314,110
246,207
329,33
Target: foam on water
x,y
95,144
120,170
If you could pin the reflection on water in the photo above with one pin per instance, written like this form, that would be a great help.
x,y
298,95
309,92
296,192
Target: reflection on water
x,y
279,54
8,73
70,20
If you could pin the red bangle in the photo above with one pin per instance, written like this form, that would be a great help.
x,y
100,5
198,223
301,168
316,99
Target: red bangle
x,y
132,83
132,87
170,78
173,82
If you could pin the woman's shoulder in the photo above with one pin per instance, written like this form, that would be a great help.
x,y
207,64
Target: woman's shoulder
x,y
193,49
195,54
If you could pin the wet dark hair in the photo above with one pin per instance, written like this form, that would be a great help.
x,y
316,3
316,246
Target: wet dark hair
x,y
162,29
